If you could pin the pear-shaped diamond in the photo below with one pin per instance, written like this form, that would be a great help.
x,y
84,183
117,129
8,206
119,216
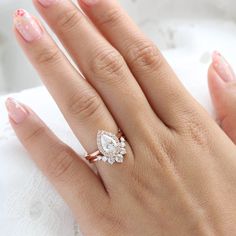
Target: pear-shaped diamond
x,y
111,148
107,143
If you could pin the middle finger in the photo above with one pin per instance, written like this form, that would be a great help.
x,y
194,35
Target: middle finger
x,y
82,107
102,65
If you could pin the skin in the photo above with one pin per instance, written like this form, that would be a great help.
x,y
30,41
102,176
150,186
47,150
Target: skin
x,y
179,174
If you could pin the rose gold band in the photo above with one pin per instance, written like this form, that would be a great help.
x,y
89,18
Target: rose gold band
x,y
93,156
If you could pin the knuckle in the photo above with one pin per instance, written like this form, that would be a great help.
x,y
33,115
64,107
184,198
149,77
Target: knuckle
x,y
48,56
107,61
195,129
61,162
35,134
164,151
111,17
159,146
145,54
84,105
68,20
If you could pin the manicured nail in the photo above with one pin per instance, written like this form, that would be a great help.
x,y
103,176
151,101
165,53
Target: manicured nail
x,y
223,68
47,3
27,25
16,111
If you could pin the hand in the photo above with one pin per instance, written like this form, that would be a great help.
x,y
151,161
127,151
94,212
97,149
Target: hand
x,y
179,173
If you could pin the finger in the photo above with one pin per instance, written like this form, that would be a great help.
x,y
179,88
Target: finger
x,y
70,175
222,85
81,105
162,88
101,64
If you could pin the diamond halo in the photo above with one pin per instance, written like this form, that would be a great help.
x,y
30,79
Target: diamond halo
x,y
112,148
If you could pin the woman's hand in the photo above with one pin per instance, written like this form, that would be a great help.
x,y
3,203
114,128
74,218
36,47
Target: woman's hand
x,y
179,173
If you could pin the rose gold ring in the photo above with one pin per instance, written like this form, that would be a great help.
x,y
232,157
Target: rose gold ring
x,y
111,148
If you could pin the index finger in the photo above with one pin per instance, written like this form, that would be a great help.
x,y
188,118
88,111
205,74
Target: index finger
x,y
70,175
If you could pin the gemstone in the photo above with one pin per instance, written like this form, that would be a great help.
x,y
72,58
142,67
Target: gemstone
x,y
107,143
122,139
111,160
99,158
122,144
122,151
104,158
112,149
119,159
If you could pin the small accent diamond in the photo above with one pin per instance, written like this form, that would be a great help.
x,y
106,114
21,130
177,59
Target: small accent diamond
x,y
122,139
122,151
111,160
119,159
104,158
122,144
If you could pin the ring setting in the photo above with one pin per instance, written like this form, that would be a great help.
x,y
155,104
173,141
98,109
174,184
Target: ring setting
x,y
111,148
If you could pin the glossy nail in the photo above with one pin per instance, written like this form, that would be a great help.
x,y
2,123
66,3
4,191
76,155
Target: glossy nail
x,y
16,111
27,26
47,3
222,67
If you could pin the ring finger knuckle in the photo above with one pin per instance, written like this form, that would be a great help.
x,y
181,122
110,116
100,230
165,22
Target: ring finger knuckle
x,y
145,54
107,62
84,105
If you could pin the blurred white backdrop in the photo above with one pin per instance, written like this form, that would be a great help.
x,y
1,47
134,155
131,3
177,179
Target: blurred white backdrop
x,y
15,71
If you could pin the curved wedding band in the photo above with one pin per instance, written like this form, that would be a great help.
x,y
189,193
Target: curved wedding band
x,y
111,148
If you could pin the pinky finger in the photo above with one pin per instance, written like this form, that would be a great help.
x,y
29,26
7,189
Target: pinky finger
x,y
70,175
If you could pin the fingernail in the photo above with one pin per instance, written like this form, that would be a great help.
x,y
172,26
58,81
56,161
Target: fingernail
x,y
27,25
47,3
16,111
222,67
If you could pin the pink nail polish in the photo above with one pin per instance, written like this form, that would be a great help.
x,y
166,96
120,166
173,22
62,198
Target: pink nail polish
x,y
222,67
27,25
47,3
16,111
